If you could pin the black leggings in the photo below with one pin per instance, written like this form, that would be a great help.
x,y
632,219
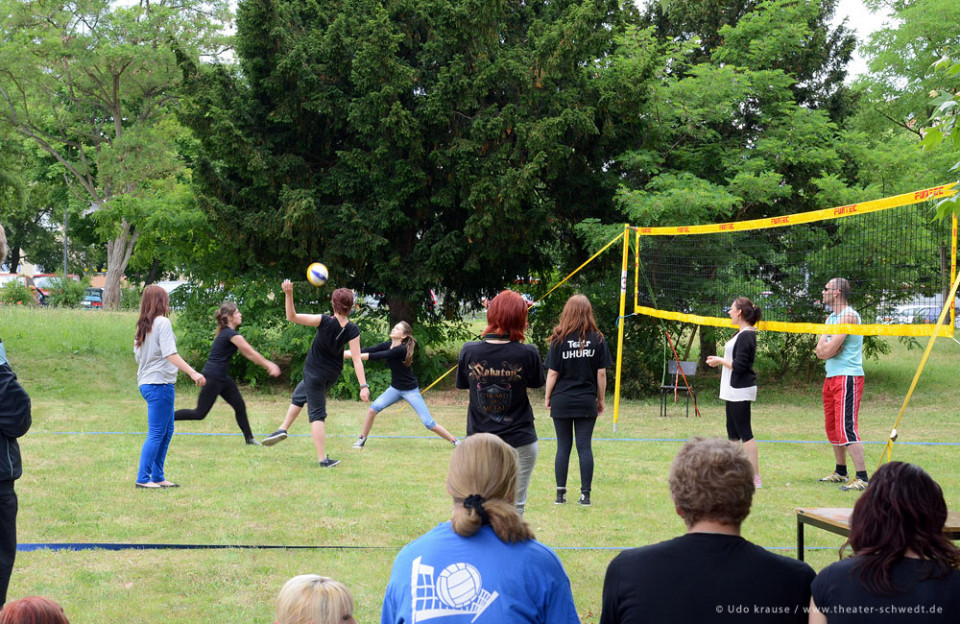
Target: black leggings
x,y
566,428
227,388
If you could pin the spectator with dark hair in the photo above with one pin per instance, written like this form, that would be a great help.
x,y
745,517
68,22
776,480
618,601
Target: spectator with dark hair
x,y
738,381
484,565
902,560
711,573
497,371
323,366
15,421
33,610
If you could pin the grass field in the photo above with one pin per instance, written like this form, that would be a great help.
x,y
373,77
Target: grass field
x,y
81,455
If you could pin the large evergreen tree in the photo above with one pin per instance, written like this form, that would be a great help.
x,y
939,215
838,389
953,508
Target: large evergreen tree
x,y
411,143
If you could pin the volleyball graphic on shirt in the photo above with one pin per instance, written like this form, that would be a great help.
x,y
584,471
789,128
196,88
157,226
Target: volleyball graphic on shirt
x,y
458,584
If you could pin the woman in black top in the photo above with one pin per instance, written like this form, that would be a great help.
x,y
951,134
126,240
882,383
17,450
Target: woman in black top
x,y
398,354
217,368
904,568
497,371
576,382
323,366
738,381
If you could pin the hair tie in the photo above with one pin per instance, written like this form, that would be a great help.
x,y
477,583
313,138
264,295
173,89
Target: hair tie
x,y
475,502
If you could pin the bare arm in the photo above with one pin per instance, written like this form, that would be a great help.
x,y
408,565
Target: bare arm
x,y
358,368
601,389
254,356
312,320
551,382
179,362
815,617
348,354
826,350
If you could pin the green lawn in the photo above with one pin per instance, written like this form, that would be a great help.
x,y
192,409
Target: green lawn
x,y
81,455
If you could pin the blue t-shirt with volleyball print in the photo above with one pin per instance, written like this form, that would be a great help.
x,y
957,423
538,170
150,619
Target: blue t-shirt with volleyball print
x,y
448,579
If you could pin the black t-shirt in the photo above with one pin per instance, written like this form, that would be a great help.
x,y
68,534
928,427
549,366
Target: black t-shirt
x,y
705,577
575,393
498,376
325,358
221,352
841,596
401,376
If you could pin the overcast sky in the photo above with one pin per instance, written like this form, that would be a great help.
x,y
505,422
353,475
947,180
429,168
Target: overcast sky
x,y
863,22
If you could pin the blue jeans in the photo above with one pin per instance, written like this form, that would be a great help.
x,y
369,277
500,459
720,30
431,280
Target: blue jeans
x,y
413,397
160,399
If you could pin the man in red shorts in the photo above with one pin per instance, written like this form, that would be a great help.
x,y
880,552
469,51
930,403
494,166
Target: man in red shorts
x,y
843,388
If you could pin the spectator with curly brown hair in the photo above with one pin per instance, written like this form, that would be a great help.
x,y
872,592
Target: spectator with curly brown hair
x,y
711,573
904,568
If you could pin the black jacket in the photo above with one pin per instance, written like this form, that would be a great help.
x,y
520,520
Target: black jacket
x,y
744,353
14,422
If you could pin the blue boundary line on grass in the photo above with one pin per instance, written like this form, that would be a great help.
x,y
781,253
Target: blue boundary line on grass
x,y
431,437
81,546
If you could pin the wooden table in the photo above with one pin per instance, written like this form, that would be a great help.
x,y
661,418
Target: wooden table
x,y
837,520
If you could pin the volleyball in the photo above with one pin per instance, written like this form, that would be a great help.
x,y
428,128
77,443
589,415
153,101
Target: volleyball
x,y
459,584
317,274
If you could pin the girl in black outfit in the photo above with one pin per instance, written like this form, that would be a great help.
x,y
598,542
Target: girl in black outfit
x,y
398,354
217,368
576,383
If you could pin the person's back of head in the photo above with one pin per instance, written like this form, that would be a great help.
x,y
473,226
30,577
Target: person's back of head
x,y
482,480
712,480
507,316
313,599
903,509
33,610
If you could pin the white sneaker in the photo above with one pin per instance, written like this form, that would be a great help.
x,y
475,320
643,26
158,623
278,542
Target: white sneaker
x,y
360,442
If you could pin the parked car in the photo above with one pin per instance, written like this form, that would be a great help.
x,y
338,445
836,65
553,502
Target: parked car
x,y
92,299
912,314
27,281
44,281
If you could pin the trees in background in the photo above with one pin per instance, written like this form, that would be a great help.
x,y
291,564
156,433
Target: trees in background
x,y
412,143
93,84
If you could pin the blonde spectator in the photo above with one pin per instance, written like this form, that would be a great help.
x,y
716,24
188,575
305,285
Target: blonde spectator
x,y
313,599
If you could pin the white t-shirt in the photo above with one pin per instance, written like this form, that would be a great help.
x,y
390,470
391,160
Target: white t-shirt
x,y
153,365
727,392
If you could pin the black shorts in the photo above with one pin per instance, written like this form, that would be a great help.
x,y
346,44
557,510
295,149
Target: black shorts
x,y
738,421
316,391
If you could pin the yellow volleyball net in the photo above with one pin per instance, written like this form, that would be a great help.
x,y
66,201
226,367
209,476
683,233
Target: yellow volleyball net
x,y
899,261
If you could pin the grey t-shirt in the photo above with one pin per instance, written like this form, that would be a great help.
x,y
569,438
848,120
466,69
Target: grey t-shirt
x,y
153,367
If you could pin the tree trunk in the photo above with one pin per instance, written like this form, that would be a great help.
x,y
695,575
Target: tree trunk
x,y
152,275
119,251
708,344
400,309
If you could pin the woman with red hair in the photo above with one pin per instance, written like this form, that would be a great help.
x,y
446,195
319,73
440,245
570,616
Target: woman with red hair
x,y
33,610
155,348
497,371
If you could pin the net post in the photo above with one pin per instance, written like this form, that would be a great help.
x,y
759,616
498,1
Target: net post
x,y
620,324
953,271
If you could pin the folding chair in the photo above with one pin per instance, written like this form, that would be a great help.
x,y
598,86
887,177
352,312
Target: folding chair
x,y
675,384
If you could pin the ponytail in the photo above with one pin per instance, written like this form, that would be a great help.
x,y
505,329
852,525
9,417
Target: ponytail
x,y
223,315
